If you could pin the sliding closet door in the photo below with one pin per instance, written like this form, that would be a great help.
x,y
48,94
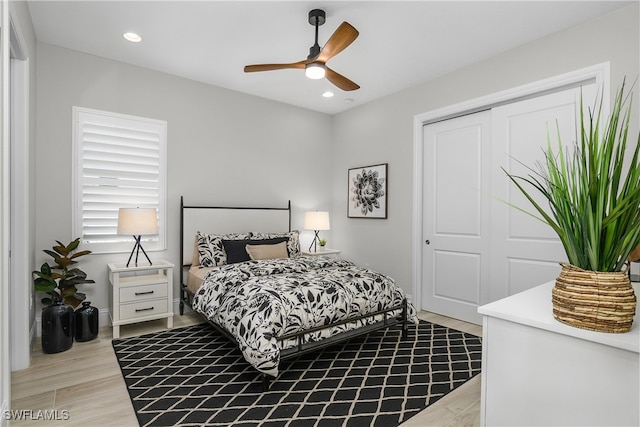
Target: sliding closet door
x,y
456,224
526,252
476,248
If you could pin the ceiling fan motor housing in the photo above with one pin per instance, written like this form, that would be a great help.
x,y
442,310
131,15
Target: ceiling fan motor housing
x,y
317,17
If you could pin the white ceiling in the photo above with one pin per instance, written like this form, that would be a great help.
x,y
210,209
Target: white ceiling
x,y
401,44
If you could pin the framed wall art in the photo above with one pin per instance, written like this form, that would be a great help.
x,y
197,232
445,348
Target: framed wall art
x,y
367,192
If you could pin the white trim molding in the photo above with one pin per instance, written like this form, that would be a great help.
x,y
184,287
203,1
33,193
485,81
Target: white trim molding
x,y
5,339
20,268
599,73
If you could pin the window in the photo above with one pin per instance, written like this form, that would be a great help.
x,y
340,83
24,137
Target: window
x,y
119,162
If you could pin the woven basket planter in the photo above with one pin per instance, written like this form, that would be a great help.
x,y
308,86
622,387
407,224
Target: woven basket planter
x,y
594,300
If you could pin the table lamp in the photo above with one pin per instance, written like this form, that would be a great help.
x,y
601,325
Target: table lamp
x,y
137,222
316,221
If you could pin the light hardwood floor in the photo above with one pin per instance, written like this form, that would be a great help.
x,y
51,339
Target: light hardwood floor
x,y
84,383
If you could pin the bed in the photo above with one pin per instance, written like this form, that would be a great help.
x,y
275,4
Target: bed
x,y
243,271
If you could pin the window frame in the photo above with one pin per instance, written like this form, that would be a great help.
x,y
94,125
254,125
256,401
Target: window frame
x,y
123,244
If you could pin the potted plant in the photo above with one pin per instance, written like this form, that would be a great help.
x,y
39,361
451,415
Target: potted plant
x,y
59,283
594,199
322,243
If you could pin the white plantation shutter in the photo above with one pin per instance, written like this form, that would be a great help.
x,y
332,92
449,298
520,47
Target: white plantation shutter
x,y
120,161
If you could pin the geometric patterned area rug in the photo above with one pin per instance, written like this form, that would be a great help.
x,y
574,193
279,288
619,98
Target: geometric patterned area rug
x,y
194,376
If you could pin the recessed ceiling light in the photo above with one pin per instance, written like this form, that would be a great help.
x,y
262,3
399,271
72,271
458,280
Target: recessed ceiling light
x,y
132,37
327,94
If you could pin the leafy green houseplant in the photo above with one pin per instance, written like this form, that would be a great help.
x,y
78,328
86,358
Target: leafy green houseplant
x,y
593,192
60,281
322,242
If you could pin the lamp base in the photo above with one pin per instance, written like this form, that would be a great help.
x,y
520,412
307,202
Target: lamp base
x,y
314,242
136,248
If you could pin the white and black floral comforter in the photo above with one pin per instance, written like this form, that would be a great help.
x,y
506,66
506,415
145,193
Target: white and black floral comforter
x,y
257,301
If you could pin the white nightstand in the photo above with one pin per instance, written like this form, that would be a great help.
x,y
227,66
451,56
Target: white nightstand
x,y
140,293
326,252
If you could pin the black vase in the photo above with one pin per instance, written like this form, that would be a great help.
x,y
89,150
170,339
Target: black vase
x,y
57,327
86,322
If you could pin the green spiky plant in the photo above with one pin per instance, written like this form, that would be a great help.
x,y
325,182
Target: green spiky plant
x,y
59,281
594,200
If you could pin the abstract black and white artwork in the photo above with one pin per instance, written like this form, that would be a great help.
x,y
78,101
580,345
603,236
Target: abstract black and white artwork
x,y
368,192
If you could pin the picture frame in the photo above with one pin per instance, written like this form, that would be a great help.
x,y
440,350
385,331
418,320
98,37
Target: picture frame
x,y
367,192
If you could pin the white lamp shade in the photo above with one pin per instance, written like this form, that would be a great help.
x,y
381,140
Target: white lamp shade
x,y
316,221
137,221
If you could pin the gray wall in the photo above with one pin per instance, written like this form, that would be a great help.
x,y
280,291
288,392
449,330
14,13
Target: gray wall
x,y
382,131
224,147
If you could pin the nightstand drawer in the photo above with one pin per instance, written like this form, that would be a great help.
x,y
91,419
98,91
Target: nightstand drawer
x,y
143,309
145,292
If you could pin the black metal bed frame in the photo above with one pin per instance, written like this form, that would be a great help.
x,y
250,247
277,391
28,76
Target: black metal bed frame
x,y
301,347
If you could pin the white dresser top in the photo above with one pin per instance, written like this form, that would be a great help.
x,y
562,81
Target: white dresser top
x,y
533,308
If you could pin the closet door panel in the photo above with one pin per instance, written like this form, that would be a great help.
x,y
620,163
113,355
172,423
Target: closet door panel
x,y
457,205
525,251
455,216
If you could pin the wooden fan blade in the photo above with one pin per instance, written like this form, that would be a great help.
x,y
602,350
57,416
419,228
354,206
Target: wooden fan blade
x,y
270,67
339,80
339,40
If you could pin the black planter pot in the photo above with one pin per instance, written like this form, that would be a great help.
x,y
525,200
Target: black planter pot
x,y
57,327
86,323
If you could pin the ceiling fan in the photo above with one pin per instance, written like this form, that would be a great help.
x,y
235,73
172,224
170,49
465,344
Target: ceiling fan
x,y
315,65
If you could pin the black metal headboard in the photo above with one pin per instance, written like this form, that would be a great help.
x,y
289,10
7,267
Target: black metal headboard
x,y
227,219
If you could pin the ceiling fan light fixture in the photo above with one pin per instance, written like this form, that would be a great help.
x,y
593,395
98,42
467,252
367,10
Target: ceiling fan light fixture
x,y
314,70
